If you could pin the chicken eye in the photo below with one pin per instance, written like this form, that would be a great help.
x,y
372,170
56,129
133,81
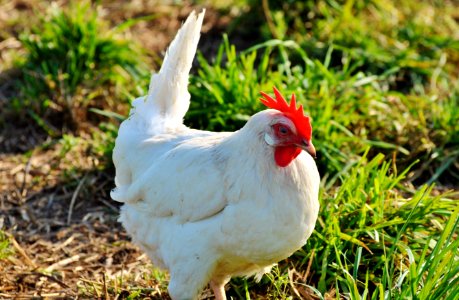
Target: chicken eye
x,y
283,130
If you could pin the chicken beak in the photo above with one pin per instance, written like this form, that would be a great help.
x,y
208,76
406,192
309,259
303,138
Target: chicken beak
x,y
308,147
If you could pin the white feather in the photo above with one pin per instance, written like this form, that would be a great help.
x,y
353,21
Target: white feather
x,y
168,98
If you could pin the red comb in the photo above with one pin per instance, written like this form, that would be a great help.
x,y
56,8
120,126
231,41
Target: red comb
x,y
302,122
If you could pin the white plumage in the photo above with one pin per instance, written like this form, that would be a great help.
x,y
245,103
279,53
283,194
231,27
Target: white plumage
x,y
207,206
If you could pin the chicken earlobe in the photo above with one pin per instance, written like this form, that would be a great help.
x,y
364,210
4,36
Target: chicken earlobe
x,y
269,140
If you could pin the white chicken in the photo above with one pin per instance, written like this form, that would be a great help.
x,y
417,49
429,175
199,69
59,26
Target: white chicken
x,y
208,206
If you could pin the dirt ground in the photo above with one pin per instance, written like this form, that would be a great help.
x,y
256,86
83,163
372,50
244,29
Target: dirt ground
x,y
54,204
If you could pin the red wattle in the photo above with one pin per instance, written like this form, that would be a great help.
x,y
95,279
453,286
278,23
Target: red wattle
x,y
284,155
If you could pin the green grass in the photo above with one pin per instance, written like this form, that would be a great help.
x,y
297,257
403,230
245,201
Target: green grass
x,y
380,82
372,233
5,247
351,110
74,62
411,35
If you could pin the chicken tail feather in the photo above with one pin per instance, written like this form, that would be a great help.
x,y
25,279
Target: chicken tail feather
x,y
161,111
168,98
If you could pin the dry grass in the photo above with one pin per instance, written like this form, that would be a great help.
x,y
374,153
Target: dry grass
x,y
63,229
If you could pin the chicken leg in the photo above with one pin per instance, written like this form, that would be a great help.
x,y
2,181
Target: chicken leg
x,y
218,287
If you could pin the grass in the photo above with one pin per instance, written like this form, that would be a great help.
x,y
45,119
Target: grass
x,y
351,109
370,236
378,78
5,247
75,62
